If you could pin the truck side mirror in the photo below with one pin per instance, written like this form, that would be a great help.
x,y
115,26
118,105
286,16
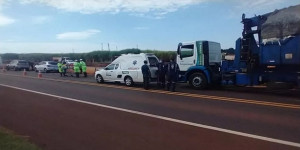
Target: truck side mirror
x,y
178,48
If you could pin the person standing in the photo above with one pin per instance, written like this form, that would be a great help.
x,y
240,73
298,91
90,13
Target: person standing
x,y
59,65
161,72
80,66
76,68
146,75
173,70
64,68
83,67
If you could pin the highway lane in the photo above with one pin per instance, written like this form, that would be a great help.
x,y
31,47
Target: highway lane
x,y
56,124
261,93
274,122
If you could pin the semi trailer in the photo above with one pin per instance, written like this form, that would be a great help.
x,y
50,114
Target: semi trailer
x,y
267,52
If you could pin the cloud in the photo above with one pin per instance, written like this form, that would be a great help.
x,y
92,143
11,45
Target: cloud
x,y
77,35
258,3
5,20
115,6
41,19
141,28
156,8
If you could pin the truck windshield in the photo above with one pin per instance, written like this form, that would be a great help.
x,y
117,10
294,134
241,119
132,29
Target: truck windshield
x,y
187,50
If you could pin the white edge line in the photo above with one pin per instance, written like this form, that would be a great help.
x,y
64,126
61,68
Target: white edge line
x,y
166,118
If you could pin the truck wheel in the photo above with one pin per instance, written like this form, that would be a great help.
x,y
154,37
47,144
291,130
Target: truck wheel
x,y
99,78
198,81
128,81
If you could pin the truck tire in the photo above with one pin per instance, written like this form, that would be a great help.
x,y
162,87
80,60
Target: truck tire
x,y
128,81
99,78
198,81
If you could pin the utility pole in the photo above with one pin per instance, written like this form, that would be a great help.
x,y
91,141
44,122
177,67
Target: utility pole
x,y
102,46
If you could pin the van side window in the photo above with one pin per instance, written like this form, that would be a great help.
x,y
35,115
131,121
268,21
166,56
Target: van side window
x,y
187,51
117,66
110,67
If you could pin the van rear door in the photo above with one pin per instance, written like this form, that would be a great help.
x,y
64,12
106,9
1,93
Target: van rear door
x,y
153,61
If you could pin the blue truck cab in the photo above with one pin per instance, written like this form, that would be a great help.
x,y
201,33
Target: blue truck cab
x,y
199,63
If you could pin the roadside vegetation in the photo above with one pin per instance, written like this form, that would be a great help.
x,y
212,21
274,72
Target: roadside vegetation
x,y
9,141
94,56
91,57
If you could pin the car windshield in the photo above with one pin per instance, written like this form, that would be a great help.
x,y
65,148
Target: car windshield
x,y
52,63
22,62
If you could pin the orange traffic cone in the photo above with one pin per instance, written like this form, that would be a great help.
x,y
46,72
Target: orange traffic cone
x,y
24,72
40,74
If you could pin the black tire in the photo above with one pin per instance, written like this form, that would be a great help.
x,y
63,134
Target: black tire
x,y
35,70
46,71
99,78
128,81
198,81
15,68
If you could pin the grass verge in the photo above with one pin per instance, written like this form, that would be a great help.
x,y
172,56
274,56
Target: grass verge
x,y
9,141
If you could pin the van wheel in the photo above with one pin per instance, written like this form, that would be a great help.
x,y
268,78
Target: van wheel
x,y
128,81
198,81
99,78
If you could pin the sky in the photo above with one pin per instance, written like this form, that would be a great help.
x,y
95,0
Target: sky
x,y
66,26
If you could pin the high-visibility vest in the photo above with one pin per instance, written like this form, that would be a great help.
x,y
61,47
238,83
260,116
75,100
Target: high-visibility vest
x,y
59,65
76,67
83,66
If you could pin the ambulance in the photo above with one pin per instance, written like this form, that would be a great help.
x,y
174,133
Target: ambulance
x,y
127,69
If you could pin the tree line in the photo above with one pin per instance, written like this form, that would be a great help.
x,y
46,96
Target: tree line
x,y
94,56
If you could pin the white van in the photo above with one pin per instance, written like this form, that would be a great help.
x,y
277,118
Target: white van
x,y
127,69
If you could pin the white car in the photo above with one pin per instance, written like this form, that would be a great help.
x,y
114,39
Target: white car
x,y
127,69
70,62
46,66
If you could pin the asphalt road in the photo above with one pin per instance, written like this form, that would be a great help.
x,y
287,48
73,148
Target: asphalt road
x,y
152,119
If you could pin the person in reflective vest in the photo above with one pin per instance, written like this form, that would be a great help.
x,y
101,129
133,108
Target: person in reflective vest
x,y
64,68
146,75
83,67
59,65
76,68
172,72
80,66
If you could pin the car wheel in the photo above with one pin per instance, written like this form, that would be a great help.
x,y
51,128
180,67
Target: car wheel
x,y
198,81
15,68
99,78
128,81
45,70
